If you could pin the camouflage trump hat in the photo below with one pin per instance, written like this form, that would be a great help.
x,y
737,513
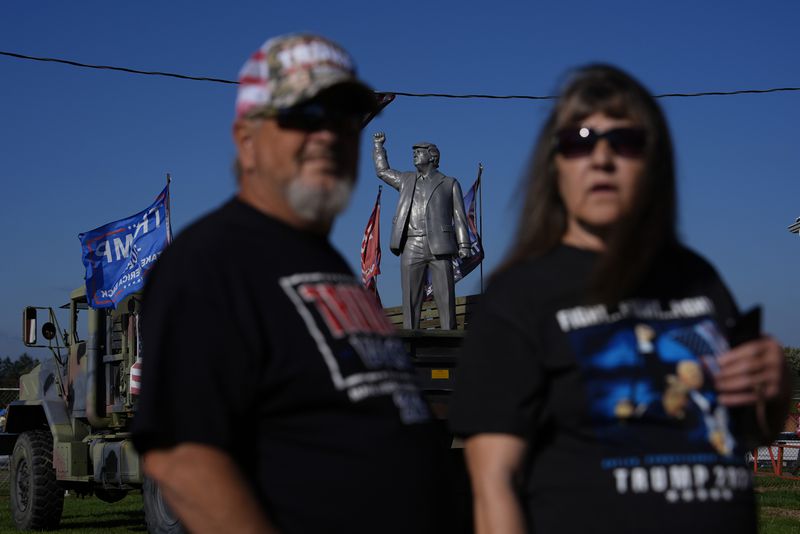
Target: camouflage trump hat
x,y
292,69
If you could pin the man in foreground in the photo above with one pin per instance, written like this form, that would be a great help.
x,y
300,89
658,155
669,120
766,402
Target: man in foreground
x,y
276,397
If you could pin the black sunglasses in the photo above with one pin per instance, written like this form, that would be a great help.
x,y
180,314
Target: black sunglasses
x,y
313,116
627,142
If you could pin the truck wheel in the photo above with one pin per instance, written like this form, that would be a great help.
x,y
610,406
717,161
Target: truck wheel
x,y
157,514
36,498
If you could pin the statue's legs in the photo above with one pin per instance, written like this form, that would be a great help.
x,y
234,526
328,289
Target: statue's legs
x,y
444,290
413,262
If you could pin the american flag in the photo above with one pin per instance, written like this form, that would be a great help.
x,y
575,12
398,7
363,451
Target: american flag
x,y
136,377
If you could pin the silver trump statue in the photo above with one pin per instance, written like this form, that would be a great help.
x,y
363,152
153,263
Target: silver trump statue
x,y
429,229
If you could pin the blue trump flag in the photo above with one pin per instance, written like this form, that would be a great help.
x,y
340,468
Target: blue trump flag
x,y
118,255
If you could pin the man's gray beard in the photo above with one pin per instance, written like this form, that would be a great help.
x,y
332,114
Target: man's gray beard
x,y
319,205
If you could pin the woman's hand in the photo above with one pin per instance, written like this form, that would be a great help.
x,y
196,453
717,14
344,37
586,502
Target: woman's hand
x,y
756,373
752,372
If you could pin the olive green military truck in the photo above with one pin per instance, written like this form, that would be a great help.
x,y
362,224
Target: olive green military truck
x,y
70,428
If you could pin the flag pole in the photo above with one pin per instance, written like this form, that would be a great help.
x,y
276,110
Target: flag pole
x,y
480,214
168,210
378,222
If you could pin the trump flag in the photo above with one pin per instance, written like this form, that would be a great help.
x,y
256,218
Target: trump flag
x,y
462,267
371,249
118,255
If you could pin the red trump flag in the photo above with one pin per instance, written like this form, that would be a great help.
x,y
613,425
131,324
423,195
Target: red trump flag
x,y
371,249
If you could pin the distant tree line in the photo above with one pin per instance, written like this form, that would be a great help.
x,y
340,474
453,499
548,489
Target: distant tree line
x,y
11,370
793,357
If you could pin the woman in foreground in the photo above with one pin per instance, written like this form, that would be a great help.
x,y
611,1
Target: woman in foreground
x,y
598,390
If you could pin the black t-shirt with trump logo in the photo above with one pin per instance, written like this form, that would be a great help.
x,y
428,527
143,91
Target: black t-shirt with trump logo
x,y
616,403
258,340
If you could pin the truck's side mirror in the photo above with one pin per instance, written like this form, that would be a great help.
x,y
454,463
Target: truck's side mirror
x,y
48,331
29,326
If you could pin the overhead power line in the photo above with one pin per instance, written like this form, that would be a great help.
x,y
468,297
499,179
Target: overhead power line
x,y
552,97
122,69
398,93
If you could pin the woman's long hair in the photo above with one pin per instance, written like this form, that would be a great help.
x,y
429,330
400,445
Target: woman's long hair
x,y
643,233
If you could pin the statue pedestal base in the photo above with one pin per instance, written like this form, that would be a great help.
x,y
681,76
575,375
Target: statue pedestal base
x,y
433,351
429,318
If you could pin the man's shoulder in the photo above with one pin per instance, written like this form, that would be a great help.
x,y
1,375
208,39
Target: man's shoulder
x,y
210,247
206,231
219,234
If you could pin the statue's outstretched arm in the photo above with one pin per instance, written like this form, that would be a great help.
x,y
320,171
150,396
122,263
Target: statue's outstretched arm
x,y
381,160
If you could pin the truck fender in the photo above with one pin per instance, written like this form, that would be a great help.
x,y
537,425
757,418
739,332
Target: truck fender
x,y
37,415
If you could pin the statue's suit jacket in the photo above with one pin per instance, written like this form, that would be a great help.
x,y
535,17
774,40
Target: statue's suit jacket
x,y
445,217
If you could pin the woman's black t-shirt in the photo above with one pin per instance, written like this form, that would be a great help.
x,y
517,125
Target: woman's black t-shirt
x,y
616,403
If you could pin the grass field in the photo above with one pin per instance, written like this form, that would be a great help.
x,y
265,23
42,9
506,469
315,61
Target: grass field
x,y
778,500
90,516
779,505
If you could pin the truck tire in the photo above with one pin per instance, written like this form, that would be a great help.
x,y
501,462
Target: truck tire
x,y
37,500
157,514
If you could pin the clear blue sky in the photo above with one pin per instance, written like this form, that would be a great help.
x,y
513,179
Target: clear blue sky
x,y
80,148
